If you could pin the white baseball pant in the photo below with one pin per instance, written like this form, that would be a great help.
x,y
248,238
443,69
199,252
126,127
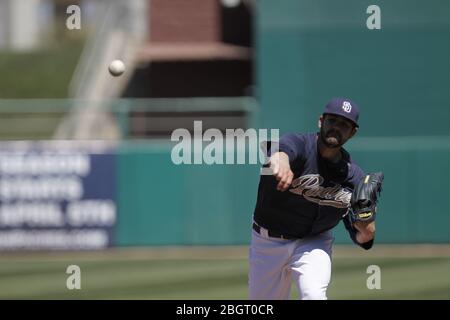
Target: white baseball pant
x,y
274,263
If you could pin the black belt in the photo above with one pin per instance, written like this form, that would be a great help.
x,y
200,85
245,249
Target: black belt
x,y
271,233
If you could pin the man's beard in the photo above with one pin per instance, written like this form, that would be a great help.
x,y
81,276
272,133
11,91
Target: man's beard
x,y
331,138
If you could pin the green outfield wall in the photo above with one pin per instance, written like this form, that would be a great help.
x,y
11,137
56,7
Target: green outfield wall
x,y
160,203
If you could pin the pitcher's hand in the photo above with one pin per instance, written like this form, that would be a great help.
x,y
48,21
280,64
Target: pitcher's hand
x,y
279,163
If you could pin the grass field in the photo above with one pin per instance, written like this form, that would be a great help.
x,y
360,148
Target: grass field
x,y
45,73
211,273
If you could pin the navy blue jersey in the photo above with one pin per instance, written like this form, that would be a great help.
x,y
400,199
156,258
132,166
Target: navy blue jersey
x,y
318,197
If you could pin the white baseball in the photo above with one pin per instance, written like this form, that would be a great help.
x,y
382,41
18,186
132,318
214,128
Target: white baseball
x,y
116,68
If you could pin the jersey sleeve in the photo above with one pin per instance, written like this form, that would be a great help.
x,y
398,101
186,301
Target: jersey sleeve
x,y
292,144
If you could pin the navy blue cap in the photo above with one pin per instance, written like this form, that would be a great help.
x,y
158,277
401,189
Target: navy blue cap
x,y
344,108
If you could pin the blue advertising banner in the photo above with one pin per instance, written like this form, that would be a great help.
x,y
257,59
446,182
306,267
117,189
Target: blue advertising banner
x,y
57,196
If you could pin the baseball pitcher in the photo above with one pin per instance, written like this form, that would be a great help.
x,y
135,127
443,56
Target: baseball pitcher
x,y
315,184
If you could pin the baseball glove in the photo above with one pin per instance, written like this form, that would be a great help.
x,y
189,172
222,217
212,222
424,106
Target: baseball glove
x,y
365,197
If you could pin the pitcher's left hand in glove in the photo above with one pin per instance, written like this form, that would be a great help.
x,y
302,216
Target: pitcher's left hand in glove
x,y
365,197
364,205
